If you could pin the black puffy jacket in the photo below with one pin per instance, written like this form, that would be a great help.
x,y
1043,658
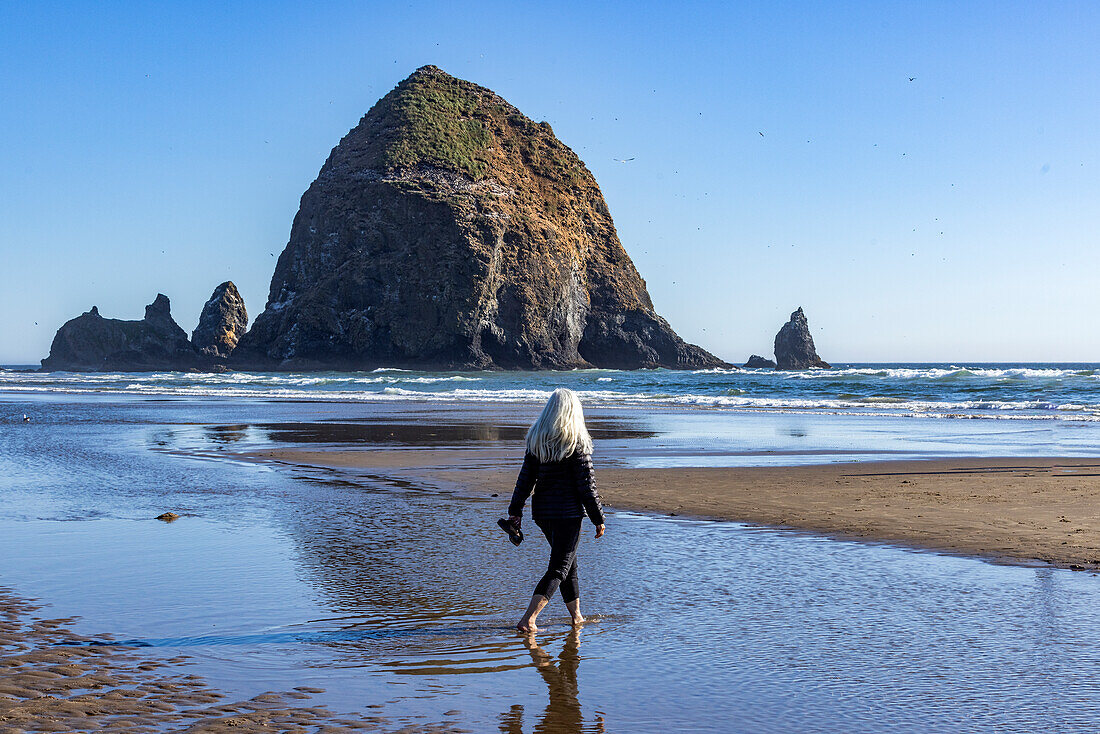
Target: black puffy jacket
x,y
562,489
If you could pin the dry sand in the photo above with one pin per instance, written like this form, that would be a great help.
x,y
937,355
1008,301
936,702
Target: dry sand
x,y
54,680
1033,509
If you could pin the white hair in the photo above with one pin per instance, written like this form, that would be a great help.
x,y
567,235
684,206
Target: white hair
x,y
560,429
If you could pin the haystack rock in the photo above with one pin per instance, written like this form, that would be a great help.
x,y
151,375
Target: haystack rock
x,y
447,230
92,343
758,362
223,321
794,347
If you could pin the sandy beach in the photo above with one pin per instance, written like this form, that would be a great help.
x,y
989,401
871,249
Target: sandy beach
x,y
1042,509
56,680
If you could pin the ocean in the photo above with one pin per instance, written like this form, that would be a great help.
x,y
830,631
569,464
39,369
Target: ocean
x,y
1037,391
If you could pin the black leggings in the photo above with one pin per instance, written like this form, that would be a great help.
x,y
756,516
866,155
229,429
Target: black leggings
x,y
563,536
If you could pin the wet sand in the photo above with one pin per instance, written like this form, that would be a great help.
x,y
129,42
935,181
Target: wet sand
x,y
52,679
1009,509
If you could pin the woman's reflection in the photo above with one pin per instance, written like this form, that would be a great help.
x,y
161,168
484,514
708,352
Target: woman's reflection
x,y
563,712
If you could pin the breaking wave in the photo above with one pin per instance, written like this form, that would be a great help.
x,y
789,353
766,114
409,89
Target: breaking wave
x,y
1023,391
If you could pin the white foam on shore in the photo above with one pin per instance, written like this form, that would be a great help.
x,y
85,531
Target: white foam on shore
x,y
866,406
1028,392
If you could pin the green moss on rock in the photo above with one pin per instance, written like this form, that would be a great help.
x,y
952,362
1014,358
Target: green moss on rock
x,y
434,119
437,125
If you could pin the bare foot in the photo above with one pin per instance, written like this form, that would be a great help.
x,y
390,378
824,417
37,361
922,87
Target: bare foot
x,y
578,620
527,627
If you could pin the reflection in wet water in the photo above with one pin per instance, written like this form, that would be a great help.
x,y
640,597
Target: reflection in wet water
x,y
423,433
385,592
226,434
563,709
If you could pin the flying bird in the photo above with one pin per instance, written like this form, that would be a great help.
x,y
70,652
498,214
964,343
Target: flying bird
x,y
912,78
626,160
761,134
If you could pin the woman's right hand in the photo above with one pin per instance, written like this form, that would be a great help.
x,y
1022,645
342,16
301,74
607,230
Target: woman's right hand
x,y
599,531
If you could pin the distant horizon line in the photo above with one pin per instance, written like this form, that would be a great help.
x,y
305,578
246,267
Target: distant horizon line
x,y
959,364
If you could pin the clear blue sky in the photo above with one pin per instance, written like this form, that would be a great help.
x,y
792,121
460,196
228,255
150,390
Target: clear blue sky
x,y
149,147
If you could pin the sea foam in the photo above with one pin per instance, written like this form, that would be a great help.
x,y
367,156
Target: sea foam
x,y
1026,392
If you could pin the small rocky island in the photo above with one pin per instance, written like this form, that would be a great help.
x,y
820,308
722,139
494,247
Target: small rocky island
x,y
446,231
756,362
91,343
794,348
222,323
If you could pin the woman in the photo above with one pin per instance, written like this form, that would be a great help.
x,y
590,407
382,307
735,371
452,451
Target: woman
x,y
558,468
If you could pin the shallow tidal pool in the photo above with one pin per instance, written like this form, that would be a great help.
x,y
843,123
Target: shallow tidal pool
x,y
398,599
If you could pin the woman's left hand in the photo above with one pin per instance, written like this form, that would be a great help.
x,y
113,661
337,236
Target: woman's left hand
x,y
599,531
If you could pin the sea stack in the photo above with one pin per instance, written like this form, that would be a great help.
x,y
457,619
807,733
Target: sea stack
x,y
223,321
448,230
92,343
794,347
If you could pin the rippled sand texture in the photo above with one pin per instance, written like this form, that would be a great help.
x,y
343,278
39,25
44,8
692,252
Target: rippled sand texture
x,y
56,680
